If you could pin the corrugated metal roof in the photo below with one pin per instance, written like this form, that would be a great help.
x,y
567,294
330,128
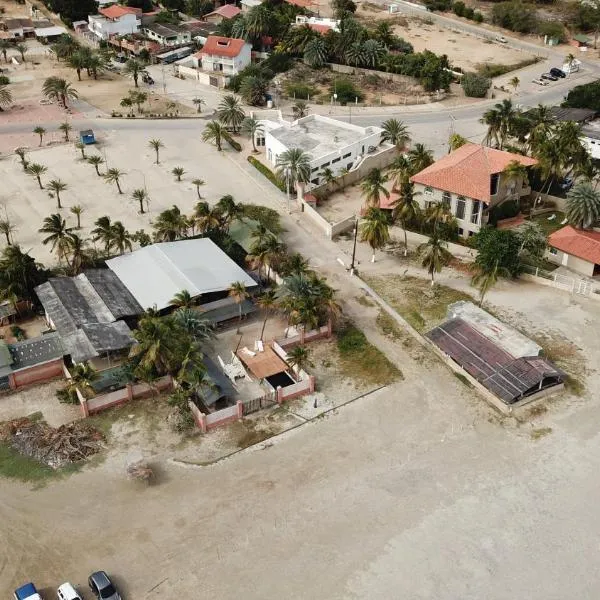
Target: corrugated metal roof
x,y
36,351
225,310
156,273
115,295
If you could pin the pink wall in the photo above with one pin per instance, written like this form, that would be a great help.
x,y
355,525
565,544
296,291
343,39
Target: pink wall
x,y
36,374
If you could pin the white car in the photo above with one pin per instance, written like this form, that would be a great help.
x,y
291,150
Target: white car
x,y
501,39
539,82
67,592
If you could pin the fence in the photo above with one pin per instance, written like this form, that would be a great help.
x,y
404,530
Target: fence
x,y
256,404
217,418
300,388
280,346
574,285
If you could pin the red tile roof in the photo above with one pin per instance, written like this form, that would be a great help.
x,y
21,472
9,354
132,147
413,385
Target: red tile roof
x,y
227,11
222,46
581,243
467,170
115,11
322,29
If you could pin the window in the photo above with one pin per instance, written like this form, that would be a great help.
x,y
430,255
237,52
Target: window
x,y
335,160
471,233
553,251
494,184
314,169
446,199
460,208
428,191
475,212
349,166
461,231
325,164
270,156
347,155
315,181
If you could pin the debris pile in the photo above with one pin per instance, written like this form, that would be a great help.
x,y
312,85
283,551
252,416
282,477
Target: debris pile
x,y
140,470
54,447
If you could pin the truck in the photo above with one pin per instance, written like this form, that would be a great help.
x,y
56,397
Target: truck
x,y
27,592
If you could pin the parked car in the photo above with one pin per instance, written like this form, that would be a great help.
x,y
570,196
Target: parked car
x,y
67,592
539,82
27,592
549,77
501,39
102,587
147,78
566,183
557,72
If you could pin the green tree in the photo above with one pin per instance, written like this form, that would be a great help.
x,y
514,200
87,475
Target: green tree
x,y
36,170
77,210
475,85
120,238
198,183
7,229
178,172
293,166
455,141
22,153
375,229
78,61
81,147
515,82
498,247
39,130
253,90
156,145
56,186
252,127
133,68
199,102
66,128
206,219
300,109
299,357
5,46
114,175
96,160
183,299
267,302
485,279
395,132
373,188
5,97
22,50
60,90
239,293
500,121
19,273
56,231
77,250
140,196
406,209
315,52
214,133
532,239
170,225
230,113
583,205
434,255
419,158
103,233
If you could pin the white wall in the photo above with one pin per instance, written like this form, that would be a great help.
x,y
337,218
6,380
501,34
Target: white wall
x,y
104,28
231,66
592,146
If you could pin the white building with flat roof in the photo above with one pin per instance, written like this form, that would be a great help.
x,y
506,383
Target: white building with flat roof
x,y
330,143
590,138
115,20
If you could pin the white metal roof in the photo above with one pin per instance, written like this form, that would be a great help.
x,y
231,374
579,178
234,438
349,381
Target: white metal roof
x,y
156,273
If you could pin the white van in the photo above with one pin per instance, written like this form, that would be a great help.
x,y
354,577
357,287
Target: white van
x,y
572,67
67,592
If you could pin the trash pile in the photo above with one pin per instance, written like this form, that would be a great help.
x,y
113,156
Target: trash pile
x,y
140,470
55,447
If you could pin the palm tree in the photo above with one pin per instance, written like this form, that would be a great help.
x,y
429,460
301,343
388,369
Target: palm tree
x,y
406,209
399,172
96,160
83,377
36,170
178,172
57,186
300,109
296,264
183,299
120,238
57,232
156,145
315,52
77,210
128,104
485,279
133,68
253,89
156,347
7,229
434,254
21,153
230,113
39,130
375,229
293,166
517,172
56,88
21,49
113,176
198,183
455,141
237,291
213,134
199,102
252,126
140,195
81,147
103,232
267,302
299,357
198,327
419,158
78,61
65,128
170,225
5,97
500,121
438,212
569,60
5,46
138,98
19,273
514,82
205,218
583,205
395,132
76,247
327,176
373,188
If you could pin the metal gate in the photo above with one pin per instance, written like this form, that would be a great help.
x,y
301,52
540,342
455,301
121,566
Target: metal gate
x,y
583,287
256,404
4,383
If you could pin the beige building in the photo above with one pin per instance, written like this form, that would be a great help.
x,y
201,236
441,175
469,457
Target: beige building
x,y
576,249
470,181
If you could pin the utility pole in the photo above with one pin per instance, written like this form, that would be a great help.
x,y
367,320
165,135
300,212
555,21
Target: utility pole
x,y
354,247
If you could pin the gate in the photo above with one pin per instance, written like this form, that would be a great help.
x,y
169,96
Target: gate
x,y
4,383
583,287
256,404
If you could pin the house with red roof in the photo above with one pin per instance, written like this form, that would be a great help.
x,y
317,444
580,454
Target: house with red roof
x,y
223,13
223,57
115,20
319,24
471,180
576,249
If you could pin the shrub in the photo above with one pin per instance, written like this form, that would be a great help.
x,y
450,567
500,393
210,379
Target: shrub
x,y
474,85
438,5
498,247
506,210
469,12
300,91
553,29
351,340
17,332
584,96
4,80
267,173
233,143
267,217
459,8
345,90
477,17
515,15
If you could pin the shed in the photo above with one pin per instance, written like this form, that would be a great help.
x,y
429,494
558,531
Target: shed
x,y
86,136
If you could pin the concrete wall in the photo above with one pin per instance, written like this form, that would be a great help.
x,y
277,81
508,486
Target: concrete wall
x,y
218,418
230,66
36,374
104,28
583,267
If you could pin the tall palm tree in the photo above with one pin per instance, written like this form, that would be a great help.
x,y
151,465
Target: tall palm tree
x,y
183,299
373,188
551,161
296,264
434,254
195,325
406,209
516,172
96,160
395,132
78,61
375,229
56,231
541,123
205,218
56,88
178,172
239,293
583,205
251,127
21,49
77,210
66,128
156,145
5,46
114,175
500,121
485,279
170,225
81,147
140,195
214,133
5,97
300,109
327,176
399,172
56,186
229,210
83,377
299,357
437,213
76,247
39,130
19,273
419,158
293,166
120,238
230,113
514,82
103,232
7,229
22,153
36,170
315,52
198,183
133,68
267,302
199,102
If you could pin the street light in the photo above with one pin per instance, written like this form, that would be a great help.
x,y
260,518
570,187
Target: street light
x,y
354,246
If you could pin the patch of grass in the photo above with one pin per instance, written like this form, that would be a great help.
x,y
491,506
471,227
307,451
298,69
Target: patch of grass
x,y
537,434
492,70
463,379
248,434
388,326
364,301
549,227
574,385
359,359
537,411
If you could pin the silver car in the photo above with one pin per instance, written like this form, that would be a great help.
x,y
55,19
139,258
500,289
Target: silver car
x,y
102,586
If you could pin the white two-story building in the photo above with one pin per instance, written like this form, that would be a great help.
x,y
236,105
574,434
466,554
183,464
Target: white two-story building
x,y
223,55
115,20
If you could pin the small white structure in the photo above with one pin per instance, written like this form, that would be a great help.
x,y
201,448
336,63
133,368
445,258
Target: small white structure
x,y
330,143
167,35
320,24
115,20
248,4
590,138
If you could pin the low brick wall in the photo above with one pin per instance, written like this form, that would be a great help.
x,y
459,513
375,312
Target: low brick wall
x,y
36,374
218,418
